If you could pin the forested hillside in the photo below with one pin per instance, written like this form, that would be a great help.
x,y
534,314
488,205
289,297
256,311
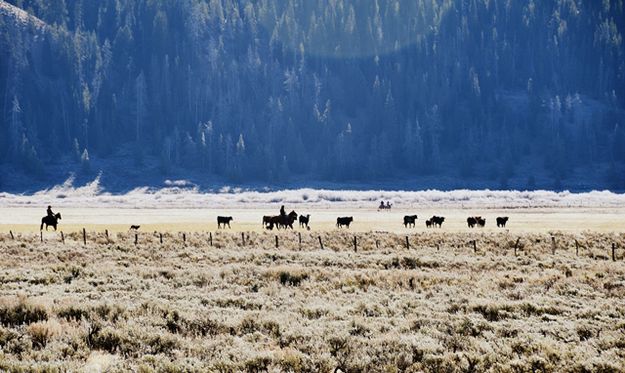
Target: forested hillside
x,y
521,94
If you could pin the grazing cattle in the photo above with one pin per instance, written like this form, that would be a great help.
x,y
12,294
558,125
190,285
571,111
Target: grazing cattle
x,y
471,221
437,221
135,227
50,221
501,221
267,222
223,220
428,223
303,220
344,221
409,220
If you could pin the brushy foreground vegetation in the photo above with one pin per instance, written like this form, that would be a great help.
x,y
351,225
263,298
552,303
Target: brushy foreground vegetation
x,y
188,306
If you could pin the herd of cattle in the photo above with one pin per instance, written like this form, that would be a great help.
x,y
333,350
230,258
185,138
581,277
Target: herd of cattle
x,y
286,221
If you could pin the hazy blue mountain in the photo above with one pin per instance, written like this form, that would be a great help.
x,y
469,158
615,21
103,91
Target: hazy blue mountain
x,y
388,93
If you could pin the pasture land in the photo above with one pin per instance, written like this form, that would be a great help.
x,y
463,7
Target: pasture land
x,y
533,219
188,306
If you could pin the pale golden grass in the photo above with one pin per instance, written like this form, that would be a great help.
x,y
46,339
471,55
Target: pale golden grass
x,y
113,306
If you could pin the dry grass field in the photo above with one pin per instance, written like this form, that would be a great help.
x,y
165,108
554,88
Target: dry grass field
x,y
111,306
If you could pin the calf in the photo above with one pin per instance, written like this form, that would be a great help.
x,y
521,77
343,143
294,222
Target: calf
x,y
344,221
223,220
409,220
303,220
428,223
501,221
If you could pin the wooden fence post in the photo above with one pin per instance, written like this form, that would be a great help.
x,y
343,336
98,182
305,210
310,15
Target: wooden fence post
x,y
320,243
41,235
299,235
355,244
136,238
184,237
277,244
62,237
576,248
516,245
160,236
106,233
613,252
84,236
377,244
553,245
407,243
475,246
243,238
11,233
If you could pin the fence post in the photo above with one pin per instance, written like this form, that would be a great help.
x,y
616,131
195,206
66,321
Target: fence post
x,y
377,244
613,250
184,237
277,244
62,237
299,235
160,236
136,238
475,246
243,238
516,245
106,233
11,233
553,245
320,243
407,243
41,235
84,236
355,245
576,248
210,238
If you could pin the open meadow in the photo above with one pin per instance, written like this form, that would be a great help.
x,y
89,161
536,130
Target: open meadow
x,y
227,302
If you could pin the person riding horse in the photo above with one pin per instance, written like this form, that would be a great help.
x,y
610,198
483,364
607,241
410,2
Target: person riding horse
x,y
51,219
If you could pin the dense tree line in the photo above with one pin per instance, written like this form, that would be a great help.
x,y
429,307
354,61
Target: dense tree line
x,y
335,90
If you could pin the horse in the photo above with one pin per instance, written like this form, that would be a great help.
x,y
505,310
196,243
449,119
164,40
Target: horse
x,y
50,221
283,221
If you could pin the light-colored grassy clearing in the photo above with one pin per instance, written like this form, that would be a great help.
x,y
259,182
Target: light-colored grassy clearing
x,y
116,307
322,219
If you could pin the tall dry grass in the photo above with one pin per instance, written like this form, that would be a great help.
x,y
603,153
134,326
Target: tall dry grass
x,y
187,306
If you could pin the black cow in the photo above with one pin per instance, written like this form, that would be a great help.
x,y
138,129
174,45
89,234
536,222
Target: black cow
x,y
480,221
437,221
135,227
471,221
344,221
223,220
501,221
303,220
409,220
428,223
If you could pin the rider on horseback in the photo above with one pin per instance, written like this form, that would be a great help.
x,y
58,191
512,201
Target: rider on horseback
x,y
50,213
282,215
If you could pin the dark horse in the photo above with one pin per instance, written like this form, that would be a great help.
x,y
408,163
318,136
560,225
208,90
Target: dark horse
x,y
282,221
50,221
